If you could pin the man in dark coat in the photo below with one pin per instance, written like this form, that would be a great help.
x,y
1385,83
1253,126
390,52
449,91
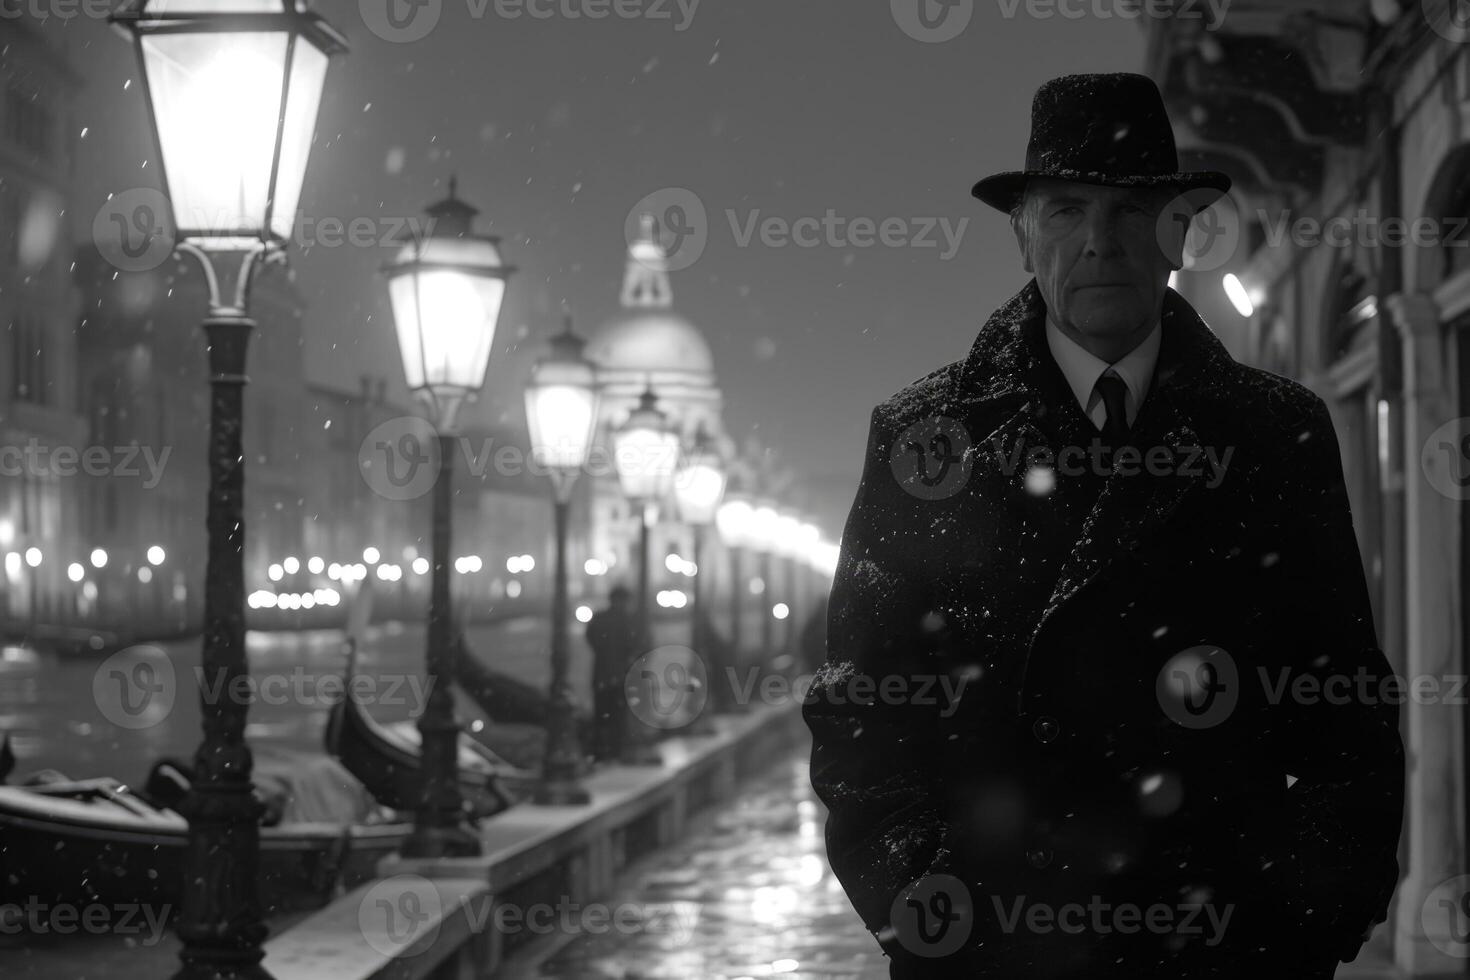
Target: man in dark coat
x,y
1103,695
611,633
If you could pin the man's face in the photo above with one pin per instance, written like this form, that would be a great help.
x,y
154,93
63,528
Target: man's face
x,y
1097,256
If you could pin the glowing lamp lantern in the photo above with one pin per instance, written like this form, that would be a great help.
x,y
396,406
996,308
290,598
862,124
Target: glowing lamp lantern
x,y
786,536
561,404
699,486
233,87
447,288
647,450
765,529
736,521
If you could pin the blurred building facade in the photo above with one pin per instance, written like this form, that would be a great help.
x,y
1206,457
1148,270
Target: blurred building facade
x,y
143,387
1346,126
38,405
646,344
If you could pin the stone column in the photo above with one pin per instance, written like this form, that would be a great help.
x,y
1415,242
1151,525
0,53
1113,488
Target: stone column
x,y
1434,817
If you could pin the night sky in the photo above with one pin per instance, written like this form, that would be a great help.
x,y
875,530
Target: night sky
x,y
558,127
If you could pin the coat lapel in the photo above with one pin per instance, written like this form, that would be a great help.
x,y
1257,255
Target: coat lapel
x,y
1006,364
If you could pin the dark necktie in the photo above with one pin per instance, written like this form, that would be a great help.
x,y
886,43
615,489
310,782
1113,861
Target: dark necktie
x,y
1113,391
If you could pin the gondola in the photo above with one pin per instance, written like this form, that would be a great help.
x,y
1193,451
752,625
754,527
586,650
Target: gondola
x,y
385,759
87,841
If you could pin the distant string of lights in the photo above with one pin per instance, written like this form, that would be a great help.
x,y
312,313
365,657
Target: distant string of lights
x,y
33,557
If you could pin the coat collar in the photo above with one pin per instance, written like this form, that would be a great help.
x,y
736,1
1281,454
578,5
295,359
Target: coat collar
x,y
1010,363
1010,358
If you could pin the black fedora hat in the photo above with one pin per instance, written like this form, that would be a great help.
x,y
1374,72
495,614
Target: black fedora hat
x,y
1102,129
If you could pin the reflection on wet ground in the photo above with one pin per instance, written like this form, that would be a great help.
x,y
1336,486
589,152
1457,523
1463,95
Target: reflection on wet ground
x,y
749,895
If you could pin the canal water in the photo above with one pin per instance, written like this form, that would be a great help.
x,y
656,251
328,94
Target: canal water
x,y
72,713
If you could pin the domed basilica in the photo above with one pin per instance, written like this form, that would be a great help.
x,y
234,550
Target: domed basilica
x,y
647,344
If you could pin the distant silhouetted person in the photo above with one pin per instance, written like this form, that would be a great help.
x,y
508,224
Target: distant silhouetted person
x,y
611,634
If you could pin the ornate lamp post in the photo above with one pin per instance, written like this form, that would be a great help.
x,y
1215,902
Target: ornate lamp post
x,y
446,289
561,410
698,488
646,450
735,520
233,90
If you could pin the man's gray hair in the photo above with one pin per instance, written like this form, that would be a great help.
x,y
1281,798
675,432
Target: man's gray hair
x,y
1024,210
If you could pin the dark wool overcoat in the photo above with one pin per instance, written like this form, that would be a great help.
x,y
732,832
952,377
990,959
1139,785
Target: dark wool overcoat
x,y
1089,714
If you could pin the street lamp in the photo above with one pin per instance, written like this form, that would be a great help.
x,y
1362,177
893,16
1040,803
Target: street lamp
x,y
646,450
735,521
446,290
561,410
699,487
233,90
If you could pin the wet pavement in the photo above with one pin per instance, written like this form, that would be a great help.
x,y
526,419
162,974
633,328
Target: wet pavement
x,y
748,895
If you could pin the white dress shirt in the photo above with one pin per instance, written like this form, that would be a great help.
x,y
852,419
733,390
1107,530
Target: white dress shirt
x,y
1082,368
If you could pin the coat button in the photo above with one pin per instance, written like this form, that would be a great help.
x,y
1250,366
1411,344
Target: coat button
x,y
1046,729
1038,857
